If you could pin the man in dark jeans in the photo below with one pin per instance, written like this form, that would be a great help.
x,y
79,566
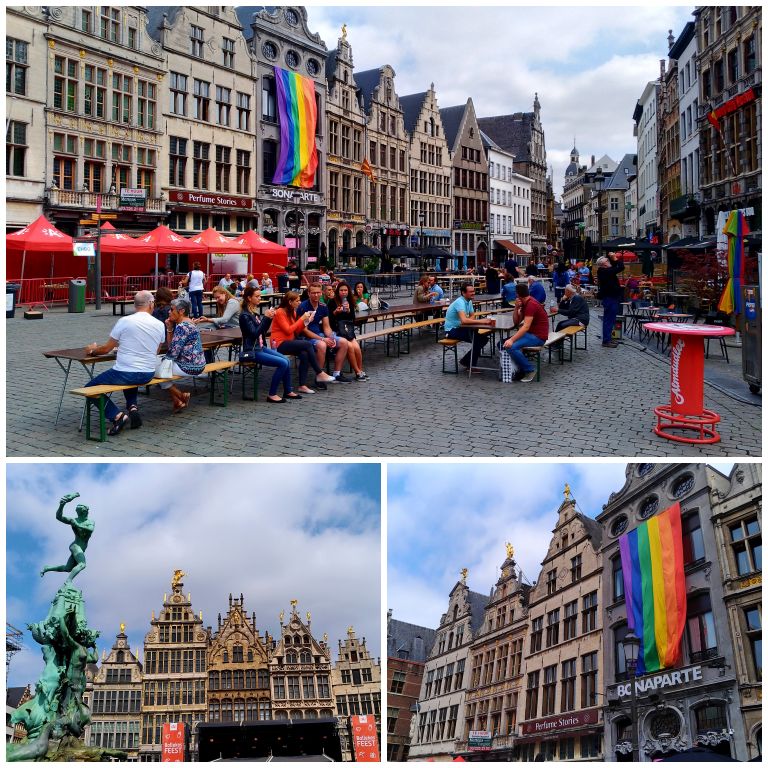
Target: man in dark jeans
x,y
462,312
611,293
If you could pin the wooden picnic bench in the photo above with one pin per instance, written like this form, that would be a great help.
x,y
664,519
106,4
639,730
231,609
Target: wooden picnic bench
x,y
98,395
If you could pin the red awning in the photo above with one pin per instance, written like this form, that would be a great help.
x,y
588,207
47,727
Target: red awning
x,y
513,248
215,242
253,242
163,240
39,236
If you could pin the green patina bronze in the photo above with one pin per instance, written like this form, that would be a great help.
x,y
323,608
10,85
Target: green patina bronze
x,y
56,717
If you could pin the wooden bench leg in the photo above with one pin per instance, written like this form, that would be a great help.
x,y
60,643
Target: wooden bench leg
x,y
250,371
455,349
216,377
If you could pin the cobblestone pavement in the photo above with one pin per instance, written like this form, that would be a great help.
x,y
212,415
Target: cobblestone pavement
x,y
599,405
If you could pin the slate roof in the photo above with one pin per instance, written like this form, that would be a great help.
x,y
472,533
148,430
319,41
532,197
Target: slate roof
x,y
619,179
367,82
330,65
155,15
415,640
451,118
246,13
594,530
13,695
488,142
412,104
477,602
511,132
676,51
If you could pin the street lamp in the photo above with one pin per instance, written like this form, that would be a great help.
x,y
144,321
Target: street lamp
x,y
598,182
489,250
422,219
631,650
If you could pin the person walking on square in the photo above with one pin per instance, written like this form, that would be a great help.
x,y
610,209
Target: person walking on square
x,y
137,338
610,292
195,286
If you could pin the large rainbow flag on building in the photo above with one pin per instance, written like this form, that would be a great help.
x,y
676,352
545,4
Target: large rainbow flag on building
x,y
297,162
736,228
654,588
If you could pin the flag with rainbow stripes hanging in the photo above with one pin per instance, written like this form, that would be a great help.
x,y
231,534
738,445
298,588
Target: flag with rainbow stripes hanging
x,y
654,588
297,161
736,228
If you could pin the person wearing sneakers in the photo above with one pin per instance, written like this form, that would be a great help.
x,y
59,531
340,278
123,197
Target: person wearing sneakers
x,y
533,330
285,326
342,317
138,338
320,333
457,317
610,292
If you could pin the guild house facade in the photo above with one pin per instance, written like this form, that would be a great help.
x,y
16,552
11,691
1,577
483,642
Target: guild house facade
x,y
698,701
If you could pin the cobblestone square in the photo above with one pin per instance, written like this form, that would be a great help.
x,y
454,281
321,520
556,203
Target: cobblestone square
x,y
601,404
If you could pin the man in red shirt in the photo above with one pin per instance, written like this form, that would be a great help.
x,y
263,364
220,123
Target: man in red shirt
x,y
533,331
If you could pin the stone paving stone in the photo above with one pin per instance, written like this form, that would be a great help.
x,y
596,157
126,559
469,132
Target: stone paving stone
x,y
599,405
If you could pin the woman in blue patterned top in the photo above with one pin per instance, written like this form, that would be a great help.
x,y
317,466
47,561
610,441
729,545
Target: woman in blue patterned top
x,y
185,349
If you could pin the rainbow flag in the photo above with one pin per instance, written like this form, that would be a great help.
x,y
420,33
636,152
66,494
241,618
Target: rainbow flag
x,y
297,162
736,228
654,588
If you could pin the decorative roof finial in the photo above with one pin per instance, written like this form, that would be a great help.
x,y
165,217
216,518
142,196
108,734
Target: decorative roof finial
x,y
177,577
567,492
344,32
122,628
510,549
464,574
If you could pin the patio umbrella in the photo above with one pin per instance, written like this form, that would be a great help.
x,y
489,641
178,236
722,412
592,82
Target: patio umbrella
x,y
215,242
402,251
735,228
253,243
697,754
164,240
363,250
38,237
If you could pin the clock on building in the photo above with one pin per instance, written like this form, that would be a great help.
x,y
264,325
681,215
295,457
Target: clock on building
x,y
269,49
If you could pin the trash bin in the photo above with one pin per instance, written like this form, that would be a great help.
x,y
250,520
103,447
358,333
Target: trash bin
x,y
12,291
282,282
76,296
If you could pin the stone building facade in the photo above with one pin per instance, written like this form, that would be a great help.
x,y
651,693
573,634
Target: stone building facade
x,y
574,198
348,188
104,126
25,103
175,672
737,507
441,707
729,60
300,671
356,681
386,151
646,130
522,134
279,36
208,106
469,233
429,161
238,668
115,700
560,712
407,647
698,702
495,663
670,181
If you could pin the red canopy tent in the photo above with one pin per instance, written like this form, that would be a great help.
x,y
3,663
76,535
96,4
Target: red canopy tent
x,y
38,237
215,242
263,252
164,240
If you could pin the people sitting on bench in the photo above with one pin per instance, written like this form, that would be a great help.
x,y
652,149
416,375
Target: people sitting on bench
x,y
574,307
227,309
254,328
185,348
533,330
341,311
138,338
320,333
462,311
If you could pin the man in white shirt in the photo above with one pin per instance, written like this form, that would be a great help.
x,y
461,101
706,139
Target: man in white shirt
x,y
137,338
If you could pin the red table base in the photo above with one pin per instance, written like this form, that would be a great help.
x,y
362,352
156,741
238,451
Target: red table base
x,y
703,423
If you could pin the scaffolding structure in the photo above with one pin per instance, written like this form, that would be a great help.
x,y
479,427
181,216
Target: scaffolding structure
x,y
13,644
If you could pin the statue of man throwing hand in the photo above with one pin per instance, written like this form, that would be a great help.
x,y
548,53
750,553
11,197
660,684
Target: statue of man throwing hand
x,y
82,527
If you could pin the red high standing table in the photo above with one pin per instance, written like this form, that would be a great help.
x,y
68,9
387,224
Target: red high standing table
x,y
686,411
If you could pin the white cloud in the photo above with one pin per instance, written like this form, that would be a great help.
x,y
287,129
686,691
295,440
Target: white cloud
x,y
273,532
589,65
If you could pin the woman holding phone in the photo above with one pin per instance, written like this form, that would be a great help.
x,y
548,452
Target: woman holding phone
x,y
285,326
341,311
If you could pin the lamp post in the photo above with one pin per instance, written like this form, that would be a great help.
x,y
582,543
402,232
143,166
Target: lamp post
x,y
631,650
598,186
489,250
422,218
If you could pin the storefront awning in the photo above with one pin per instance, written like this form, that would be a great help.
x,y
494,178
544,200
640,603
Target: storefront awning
x,y
513,248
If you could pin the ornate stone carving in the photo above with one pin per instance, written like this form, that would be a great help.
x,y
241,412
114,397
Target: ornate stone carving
x,y
623,747
665,743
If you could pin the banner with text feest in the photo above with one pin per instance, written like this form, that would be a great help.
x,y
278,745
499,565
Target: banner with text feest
x,y
364,738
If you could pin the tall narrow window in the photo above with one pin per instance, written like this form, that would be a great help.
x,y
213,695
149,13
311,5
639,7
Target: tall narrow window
x,y
754,634
223,168
228,52
110,24
702,640
178,94
243,185
268,100
178,162
532,696
196,41
147,104
122,98
202,100
223,105
243,111
16,66
15,148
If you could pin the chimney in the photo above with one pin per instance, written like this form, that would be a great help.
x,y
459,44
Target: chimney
x,y
593,161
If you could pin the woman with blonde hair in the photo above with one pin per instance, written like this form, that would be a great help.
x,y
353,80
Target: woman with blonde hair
x,y
227,309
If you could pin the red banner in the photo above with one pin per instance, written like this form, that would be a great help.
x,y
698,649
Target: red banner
x,y
730,106
364,738
173,743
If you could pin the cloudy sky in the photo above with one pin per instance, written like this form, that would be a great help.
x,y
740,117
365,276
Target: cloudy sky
x,y
589,65
273,532
442,518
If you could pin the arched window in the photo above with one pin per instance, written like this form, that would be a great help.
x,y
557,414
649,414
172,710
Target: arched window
x,y
290,657
306,657
250,655
297,638
346,238
711,716
297,714
281,714
326,713
287,639
225,657
268,100
359,237
120,656
311,714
